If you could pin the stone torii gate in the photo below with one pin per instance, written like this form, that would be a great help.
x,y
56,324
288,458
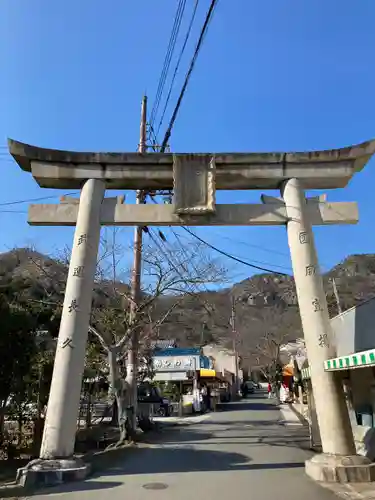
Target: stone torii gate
x,y
194,179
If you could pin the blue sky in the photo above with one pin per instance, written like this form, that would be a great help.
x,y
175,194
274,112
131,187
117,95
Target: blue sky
x,y
272,76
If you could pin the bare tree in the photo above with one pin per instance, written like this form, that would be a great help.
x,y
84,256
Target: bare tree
x,y
260,343
167,271
170,272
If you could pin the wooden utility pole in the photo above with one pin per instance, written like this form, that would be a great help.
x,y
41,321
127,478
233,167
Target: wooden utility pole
x,y
133,353
234,341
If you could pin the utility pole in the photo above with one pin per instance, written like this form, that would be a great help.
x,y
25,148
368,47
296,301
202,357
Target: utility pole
x,y
335,291
133,353
234,341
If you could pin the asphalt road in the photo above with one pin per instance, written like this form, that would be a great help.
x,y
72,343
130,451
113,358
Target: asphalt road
x,y
243,451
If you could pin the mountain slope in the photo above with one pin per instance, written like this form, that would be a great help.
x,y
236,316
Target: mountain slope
x,y
265,303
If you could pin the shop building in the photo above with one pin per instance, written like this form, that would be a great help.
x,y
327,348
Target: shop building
x,y
354,365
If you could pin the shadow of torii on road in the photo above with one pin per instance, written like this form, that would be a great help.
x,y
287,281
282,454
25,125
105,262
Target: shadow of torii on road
x,y
185,459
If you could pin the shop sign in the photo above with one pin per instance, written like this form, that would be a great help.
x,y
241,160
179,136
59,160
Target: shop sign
x,y
175,363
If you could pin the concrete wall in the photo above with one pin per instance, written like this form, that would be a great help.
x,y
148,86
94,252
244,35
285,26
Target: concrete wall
x,y
354,329
224,359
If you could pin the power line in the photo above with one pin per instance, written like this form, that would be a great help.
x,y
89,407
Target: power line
x,y
258,261
265,249
230,256
168,57
194,287
252,245
30,200
177,237
178,63
174,265
226,254
13,212
188,74
175,113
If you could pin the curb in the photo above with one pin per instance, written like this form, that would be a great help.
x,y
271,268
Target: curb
x,y
57,473
300,417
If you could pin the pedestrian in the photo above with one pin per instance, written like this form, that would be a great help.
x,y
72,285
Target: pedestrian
x,y
283,393
214,398
204,398
245,390
269,390
208,398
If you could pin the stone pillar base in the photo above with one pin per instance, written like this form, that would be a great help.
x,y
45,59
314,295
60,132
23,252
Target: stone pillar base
x,y
340,469
40,472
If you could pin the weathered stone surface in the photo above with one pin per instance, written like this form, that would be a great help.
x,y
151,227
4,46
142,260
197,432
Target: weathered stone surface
x,y
316,169
340,469
52,472
114,214
194,179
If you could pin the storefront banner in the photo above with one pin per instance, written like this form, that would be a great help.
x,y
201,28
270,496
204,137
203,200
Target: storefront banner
x,y
175,363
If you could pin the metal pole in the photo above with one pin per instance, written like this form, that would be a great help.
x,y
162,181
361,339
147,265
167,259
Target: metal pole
x,y
234,340
132,365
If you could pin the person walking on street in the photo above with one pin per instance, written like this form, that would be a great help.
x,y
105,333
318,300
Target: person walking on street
x,y
269,390
204,393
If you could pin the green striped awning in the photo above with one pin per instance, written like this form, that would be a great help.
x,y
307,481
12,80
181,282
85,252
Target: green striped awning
x,y
359,359
305,372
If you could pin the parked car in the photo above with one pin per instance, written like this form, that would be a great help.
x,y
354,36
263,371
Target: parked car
x,y
150,394
250,387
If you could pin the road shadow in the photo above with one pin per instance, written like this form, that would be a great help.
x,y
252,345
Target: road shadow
x,y
245,424
89,485
182,435
250,405
9,467
289,439
179,460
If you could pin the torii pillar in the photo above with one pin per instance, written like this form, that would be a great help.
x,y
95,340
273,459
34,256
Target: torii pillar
x,y
339,460
61,418
194,179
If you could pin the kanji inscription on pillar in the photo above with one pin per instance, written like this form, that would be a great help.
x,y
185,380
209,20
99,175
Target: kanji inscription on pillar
x,y
67,343
310,270
323,340
73,306
317,306
303,237
82,239
78,271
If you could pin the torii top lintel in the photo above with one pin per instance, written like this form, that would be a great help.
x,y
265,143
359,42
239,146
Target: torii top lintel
x,y
68,170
